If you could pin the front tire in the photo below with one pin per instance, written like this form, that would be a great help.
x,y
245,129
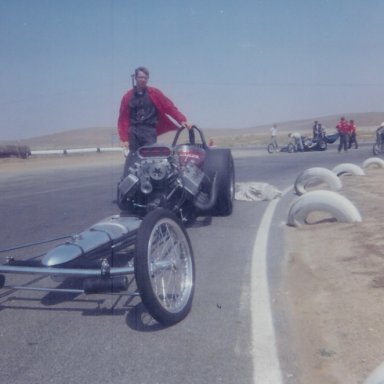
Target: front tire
x,y
323,145
290,148
164,267
270,148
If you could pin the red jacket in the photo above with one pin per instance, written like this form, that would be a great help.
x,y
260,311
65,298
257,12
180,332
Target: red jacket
x,y
351,128
342,127
164,107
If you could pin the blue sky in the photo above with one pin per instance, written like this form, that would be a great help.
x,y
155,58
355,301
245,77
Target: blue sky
x,y
65,64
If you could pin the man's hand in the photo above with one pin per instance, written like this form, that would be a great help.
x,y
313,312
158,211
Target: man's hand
x,y
187,125
124,144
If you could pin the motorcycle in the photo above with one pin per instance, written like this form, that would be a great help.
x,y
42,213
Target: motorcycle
x,y
319,143
378,146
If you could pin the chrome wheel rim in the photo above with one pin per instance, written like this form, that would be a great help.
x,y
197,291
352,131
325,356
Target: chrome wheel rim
x,y
170,265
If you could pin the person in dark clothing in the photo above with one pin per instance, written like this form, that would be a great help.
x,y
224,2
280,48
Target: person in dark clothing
x,y
352,134
380,136
315,129
143,120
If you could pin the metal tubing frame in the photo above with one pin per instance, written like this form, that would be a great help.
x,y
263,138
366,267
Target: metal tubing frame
x,y
68,272
65,290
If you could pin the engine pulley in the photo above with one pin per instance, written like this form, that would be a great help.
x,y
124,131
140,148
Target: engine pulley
x,y
157,171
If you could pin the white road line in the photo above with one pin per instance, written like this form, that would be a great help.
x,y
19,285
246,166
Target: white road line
x,y
266,366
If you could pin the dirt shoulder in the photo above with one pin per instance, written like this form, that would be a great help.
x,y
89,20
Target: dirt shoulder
x,y
334,283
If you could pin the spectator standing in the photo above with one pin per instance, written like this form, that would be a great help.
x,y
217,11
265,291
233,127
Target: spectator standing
x,y
342,128
352,134
274,135
315,129
320,132
298,140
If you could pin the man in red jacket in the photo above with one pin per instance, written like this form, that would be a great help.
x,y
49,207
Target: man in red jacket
x,y
144,114
342,128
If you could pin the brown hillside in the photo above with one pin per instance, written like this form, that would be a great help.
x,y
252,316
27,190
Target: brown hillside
x,y
107,136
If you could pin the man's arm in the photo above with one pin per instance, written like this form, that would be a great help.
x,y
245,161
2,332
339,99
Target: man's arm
x,y
123,120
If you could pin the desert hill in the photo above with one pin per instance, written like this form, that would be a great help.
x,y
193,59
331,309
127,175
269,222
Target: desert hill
x,y
107,136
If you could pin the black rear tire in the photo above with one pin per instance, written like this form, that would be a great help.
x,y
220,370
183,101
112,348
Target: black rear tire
x,y
220,161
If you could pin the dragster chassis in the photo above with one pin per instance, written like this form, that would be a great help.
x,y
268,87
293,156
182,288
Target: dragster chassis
x,y
155,249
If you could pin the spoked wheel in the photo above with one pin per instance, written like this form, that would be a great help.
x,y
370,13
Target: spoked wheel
x,y
322,145
290,148
375,149
271,148
164,267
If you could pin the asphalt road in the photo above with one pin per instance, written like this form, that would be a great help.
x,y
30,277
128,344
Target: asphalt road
x,y
56,338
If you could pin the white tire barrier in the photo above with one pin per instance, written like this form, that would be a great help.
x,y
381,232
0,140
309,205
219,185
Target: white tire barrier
x,y
316,175
377,376
322,201
348,168
374,161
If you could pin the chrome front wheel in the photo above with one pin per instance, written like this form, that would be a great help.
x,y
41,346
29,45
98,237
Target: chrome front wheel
x,y
164,267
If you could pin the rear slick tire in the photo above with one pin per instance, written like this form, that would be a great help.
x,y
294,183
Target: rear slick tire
x,y
220,162
164,267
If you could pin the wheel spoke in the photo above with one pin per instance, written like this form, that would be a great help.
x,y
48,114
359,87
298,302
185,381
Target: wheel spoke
x,y
169,266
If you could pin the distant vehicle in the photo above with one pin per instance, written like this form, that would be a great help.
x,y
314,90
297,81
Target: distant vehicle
x,y
378,146
272,147
319,143
21,151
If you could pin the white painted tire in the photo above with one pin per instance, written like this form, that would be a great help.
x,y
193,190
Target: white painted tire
x,y
374,161
348,168
322,201
316,174
377,376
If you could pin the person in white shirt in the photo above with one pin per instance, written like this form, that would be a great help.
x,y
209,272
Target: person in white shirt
x,y
298,140
274,135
